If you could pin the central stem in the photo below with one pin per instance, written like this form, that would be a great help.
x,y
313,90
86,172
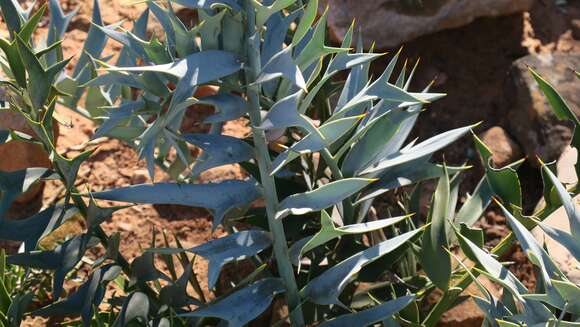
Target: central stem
x,y
252,67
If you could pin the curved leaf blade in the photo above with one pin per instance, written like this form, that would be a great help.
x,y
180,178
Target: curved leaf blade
x,y
321,198
218,150
370,316
244,305
219,197
326,288
208,65
422,149
435,260
221,251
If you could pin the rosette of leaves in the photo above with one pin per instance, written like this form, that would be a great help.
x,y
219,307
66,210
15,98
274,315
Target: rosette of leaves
x,y
272,66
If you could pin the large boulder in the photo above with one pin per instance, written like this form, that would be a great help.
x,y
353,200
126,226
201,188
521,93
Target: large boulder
x,y
531,119
389,23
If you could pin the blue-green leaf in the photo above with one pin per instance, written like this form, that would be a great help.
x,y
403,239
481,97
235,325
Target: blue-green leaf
x,y
207,66
322,197
219,197
504,181
570,242
218,150
221,251
326,288
425,148
12,184
358,77
164,19
228,107
371,316
139,30
306,21
329,231
94,43
475,204
533,250
136,307
491,307
13,15
570,293
571,208
557,102
34,228
211,28
263,12
117,116
85,299
323,137
62,259
315,49
175,294
143,268
275,35
59,23
340,62
244,305
498,273
284,114
209,4
129,40
406,174
40,80
435,260
375,91
282,65
371,144
491,265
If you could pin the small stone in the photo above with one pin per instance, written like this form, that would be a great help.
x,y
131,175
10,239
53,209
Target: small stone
x,y
505,150
126,227
81,22
88,131
126,172
140,176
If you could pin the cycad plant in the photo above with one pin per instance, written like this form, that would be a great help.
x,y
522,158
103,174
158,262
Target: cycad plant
x,y
320,151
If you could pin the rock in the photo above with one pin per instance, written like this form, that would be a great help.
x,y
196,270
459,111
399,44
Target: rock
x,y
80,22
18,155
576,28
140,176
505,150
561,256
531,120
389,23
